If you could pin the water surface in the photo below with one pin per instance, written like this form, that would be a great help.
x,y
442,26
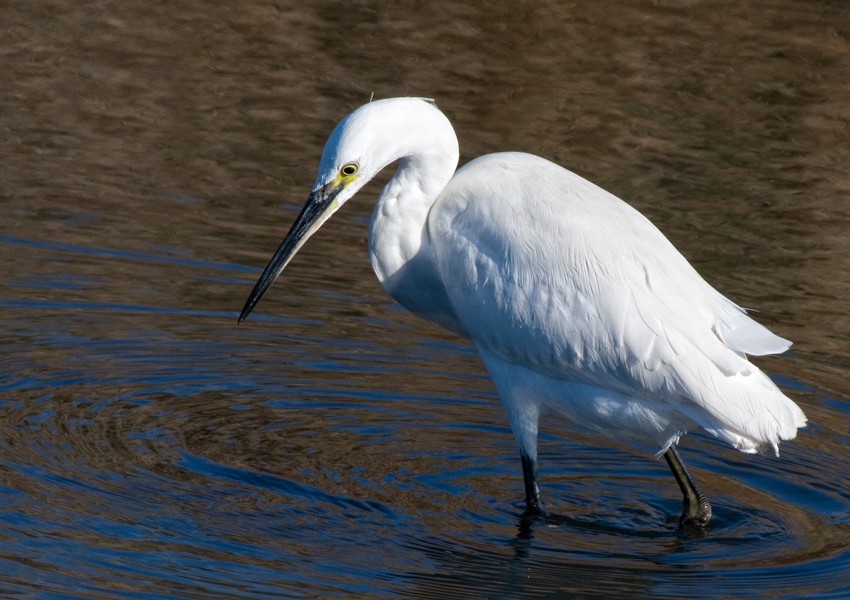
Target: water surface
x,y
154,154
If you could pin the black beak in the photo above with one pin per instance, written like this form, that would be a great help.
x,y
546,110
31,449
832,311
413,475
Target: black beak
x,y
319,206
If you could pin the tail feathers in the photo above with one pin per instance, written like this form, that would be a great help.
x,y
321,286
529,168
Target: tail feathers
x,y
773,417
727,395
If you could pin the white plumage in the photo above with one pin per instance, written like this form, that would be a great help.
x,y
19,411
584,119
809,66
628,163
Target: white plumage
x,y
552,274
576,302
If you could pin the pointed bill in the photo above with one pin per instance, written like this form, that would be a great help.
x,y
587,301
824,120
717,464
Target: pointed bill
x,y
319,207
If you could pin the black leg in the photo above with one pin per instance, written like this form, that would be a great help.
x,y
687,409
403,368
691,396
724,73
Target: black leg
x,y
532,491
696,509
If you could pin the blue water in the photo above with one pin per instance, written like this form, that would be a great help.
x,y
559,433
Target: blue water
x,y
333,445
164,452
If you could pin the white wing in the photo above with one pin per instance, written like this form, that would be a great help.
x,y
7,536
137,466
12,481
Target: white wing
x,y
550,272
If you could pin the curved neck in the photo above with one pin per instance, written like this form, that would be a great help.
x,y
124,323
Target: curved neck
x,y
398,230
400,246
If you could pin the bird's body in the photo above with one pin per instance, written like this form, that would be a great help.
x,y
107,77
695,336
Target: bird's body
x,y
576,302
598,309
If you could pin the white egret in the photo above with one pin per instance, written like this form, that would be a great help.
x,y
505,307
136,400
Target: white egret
x,y
576,302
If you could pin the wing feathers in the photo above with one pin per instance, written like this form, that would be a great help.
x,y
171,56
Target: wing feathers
x,y
595,295
741,333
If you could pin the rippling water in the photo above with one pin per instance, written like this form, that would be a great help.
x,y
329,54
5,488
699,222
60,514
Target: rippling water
x,y
153,155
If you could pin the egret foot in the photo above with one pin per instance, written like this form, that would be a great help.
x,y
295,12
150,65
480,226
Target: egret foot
x,y
696,511
532,490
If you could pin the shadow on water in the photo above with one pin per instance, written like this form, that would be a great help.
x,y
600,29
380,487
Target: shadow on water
x,y
522,567
153,155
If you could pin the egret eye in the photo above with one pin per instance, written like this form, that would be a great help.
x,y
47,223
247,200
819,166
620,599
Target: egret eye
x,y
349,170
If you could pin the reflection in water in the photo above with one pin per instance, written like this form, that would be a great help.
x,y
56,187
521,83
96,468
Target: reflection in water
x,y
152,156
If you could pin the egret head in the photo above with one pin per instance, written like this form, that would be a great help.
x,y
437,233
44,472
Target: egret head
x,y
360,146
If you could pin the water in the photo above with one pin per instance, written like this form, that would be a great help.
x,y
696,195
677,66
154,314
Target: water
x,y
152,157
